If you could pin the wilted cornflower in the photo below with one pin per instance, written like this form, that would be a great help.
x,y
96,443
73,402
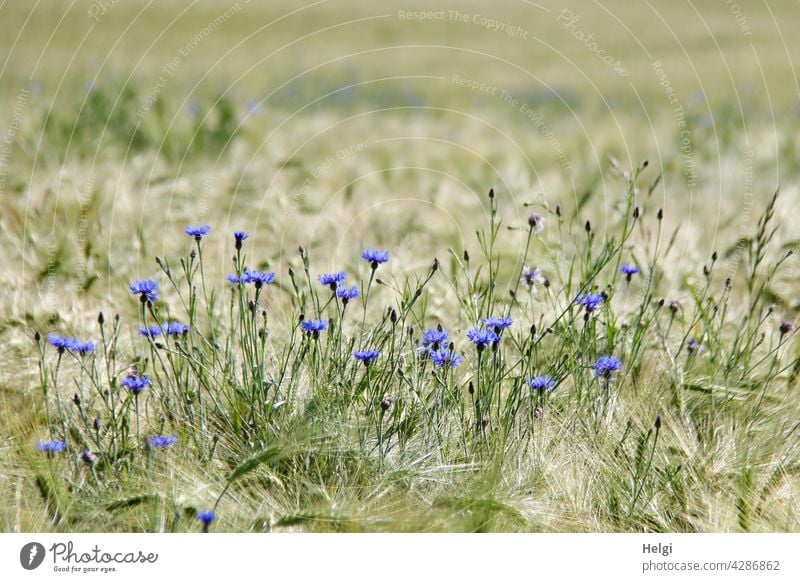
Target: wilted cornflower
x,y
332,280
205,517
147,290
606,366
198,232
51,446
536,222
163,442
136,383
345,294
482,337
366,356
591,302
375,257
542,383
785,327
433,338
89,457
628,270
239,237
444,357
314,326
175,328
532,277
152,331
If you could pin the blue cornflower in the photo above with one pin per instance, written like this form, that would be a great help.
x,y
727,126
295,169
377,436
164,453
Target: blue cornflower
x,y
57,341
542,383
152,331
345,294
591,302
258,278
71,344
482,337
366,356
606,366
163,442
314,326
239,237
147,290
498,324
84,348
628,270
198,232
375,257
174,328
444,357
332,280
434,338
692,345
206,517
136,383
233,279
51,446
63,343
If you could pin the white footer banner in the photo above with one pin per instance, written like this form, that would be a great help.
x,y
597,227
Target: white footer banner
x,y
407,557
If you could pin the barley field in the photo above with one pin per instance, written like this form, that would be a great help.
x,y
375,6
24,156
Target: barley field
x,y
399,266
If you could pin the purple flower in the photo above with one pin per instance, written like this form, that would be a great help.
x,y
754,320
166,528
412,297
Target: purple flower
x,y
136,383
591,302
366,356
345,294
314,326
51,446
206,517
445,357
147,290
239,237
692,345
175,328
374,257
332,280
163,442
482,338
498,324
85,347
152,331
258,278
233,279
629,270
606,366
434,338
542,383
198,232
61,343
71,344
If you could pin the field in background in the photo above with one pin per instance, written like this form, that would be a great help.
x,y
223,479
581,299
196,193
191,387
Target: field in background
x,y
340,126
